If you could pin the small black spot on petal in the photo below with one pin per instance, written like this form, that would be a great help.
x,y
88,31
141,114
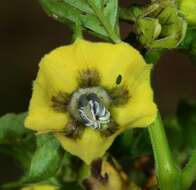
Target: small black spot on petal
x,y
118,79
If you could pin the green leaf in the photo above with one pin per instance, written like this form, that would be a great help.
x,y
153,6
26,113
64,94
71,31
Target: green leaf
x,y
19,184
187,118
132,143
43,139
12,129
70,170
175,138
189,172
15,139
130,14
46,159
98,16
72,186
192,51
122,144
152,56
189,38
189,44
174,133
141,145
22,153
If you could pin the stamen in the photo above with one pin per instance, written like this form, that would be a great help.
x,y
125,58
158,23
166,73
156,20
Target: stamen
x,y
89,104
93,113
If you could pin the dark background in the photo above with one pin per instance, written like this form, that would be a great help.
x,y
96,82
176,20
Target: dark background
x,y
27,33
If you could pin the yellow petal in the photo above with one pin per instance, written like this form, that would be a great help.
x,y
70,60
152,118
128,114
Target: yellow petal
x,y
57,73
122,59
89,147
40,187
116,178
41,115
140,110
111,60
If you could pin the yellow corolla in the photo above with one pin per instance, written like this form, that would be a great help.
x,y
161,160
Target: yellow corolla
x,y
40,187
87,93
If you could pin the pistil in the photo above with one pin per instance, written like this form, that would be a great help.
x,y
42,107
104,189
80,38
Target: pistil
x,y
93,113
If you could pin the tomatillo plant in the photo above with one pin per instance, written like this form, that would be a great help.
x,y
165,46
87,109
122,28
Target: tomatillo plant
x,y
92,122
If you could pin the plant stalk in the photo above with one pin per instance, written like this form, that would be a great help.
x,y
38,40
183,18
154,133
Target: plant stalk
x,y
169,175
189,172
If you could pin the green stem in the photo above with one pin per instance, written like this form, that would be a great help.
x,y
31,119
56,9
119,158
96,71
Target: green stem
x,y
12,185
189,172
169,176
152,56
77,31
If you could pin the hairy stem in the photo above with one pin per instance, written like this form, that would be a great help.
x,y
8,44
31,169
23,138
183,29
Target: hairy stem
x,y
169,176
77,31
189,172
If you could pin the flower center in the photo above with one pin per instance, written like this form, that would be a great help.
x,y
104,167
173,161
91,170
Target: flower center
x,y
93,113
89,106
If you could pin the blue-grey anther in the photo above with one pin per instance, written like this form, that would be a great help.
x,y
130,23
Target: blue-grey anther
x,y
92,111
89,107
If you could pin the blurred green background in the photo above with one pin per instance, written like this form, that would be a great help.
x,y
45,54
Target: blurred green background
x,y
26,34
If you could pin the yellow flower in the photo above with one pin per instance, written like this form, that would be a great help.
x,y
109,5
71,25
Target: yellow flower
x,y
40,187
87,93
107,175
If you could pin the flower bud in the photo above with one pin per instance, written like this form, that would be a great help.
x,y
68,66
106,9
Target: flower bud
x,y
161,26
188,7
